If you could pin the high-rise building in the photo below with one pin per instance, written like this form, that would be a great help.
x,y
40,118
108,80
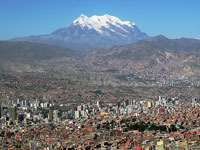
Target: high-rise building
x,y
20,117
56,115
99,103
118,104
126,103
50,115
77,114
0,110
80,108
12,113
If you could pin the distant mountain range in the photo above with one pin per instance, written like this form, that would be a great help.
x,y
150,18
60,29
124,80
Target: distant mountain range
x,y
153,56
89,33
153,61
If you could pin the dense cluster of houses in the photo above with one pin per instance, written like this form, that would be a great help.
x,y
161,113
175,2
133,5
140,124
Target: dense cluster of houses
x,y
166,123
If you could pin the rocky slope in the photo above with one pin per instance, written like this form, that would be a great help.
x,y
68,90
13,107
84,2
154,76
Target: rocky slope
x,y
157,61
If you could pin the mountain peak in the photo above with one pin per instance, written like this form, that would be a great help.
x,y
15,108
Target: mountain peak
x,y
83,16
93,32
99,22
81,20
107,15
158,38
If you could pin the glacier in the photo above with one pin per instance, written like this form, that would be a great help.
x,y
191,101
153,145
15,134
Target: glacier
x,y
90,33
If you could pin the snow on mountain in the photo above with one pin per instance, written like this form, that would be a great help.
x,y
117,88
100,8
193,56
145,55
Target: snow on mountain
x,y
92,32
99,22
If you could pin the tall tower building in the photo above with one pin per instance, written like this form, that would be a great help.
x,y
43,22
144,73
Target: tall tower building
x,y
12,113
50,114
0,110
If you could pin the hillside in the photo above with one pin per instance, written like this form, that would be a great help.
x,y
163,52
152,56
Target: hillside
x,y
157,58
157,61
29,86
27,56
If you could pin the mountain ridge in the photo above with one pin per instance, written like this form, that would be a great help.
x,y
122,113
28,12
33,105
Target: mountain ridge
x,y
156,61
91,32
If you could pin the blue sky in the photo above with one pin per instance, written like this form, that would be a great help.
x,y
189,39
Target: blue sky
x,y
172,18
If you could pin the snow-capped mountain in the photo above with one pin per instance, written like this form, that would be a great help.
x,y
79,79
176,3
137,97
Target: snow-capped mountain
x,y
91,32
